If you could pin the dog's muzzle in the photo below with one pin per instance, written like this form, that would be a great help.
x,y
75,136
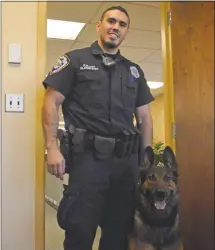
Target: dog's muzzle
x,y
160,194
158,198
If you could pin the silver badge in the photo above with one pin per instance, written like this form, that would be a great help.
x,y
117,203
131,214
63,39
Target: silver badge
x,y
134,72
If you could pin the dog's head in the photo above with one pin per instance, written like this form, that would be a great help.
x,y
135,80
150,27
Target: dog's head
x,y
158,186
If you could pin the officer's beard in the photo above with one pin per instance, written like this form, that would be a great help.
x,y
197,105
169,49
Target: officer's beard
x,y
109,45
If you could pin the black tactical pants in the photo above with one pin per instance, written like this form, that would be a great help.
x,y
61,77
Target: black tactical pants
x,y
100,192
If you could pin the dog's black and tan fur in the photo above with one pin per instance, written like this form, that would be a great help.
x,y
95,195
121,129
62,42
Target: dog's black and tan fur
x,y
156,222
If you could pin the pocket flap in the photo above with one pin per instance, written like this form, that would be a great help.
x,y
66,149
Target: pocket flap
x,y
104,145
88,76
132,85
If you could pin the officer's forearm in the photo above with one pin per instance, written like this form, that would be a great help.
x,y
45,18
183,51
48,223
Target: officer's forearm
x,y
50,121
146,128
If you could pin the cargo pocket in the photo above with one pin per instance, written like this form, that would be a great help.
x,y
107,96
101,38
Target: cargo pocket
x,y
68,208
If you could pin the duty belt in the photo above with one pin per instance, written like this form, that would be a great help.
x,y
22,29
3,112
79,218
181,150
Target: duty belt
x,y
125,144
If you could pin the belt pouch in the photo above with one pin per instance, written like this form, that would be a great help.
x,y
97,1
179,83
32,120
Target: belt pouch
x,y
103,147
122,143
137,141
78,140
131,141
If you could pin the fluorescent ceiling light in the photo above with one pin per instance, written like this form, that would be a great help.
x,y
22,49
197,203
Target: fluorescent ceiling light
x,y
155,85
63,29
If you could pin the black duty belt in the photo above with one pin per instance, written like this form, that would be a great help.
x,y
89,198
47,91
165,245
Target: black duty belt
x,y
126,143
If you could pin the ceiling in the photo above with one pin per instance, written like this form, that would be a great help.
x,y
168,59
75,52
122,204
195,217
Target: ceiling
x,y
142,45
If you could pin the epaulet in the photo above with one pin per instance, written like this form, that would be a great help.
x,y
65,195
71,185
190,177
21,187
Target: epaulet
x,y
126,59
129,62
75,51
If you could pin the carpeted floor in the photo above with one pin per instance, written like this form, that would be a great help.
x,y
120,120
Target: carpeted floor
x,y
54,236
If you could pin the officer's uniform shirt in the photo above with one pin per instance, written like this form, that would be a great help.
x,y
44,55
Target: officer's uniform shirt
x,y
98,98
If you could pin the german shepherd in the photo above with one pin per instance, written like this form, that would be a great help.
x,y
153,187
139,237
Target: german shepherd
x,y
156,220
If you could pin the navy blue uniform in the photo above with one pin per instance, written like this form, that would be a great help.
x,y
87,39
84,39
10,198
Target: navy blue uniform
x,y
101,99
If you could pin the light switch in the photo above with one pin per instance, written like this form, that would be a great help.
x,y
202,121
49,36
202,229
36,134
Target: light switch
x,y
14,53
14,103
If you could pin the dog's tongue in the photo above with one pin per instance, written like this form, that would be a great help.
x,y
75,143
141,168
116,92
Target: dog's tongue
x,y
160,205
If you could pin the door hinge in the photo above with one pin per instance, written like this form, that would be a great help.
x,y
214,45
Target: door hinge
x,y
173,130
169,18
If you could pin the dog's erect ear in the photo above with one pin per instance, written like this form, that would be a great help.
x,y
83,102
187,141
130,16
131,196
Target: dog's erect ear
x,y
169,158
148,157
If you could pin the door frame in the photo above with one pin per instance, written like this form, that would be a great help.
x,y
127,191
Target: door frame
x,y
39,142
169,116
1,132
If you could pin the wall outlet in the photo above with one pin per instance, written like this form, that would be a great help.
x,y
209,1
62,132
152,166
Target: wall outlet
x,y
14,103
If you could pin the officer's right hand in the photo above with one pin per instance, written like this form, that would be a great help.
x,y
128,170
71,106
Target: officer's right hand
x,y
55,163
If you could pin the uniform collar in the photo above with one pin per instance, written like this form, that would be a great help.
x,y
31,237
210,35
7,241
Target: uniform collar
x,y
96,50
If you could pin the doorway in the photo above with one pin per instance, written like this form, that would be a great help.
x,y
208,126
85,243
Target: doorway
x,y
143,46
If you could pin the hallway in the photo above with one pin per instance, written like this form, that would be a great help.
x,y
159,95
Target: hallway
x,y
54,236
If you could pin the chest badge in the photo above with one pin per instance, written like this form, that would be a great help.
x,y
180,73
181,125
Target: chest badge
x,y
134,71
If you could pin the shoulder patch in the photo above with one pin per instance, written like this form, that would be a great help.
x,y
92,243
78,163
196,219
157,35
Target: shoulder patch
x,y
134,71
60,64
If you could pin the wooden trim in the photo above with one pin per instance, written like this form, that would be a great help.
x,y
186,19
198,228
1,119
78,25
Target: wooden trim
x,y
1,132
40,149
167,75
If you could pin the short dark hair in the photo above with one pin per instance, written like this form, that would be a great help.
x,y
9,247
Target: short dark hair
x,y
120,8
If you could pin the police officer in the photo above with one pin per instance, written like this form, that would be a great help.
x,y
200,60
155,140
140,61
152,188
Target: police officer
x,y
99,91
